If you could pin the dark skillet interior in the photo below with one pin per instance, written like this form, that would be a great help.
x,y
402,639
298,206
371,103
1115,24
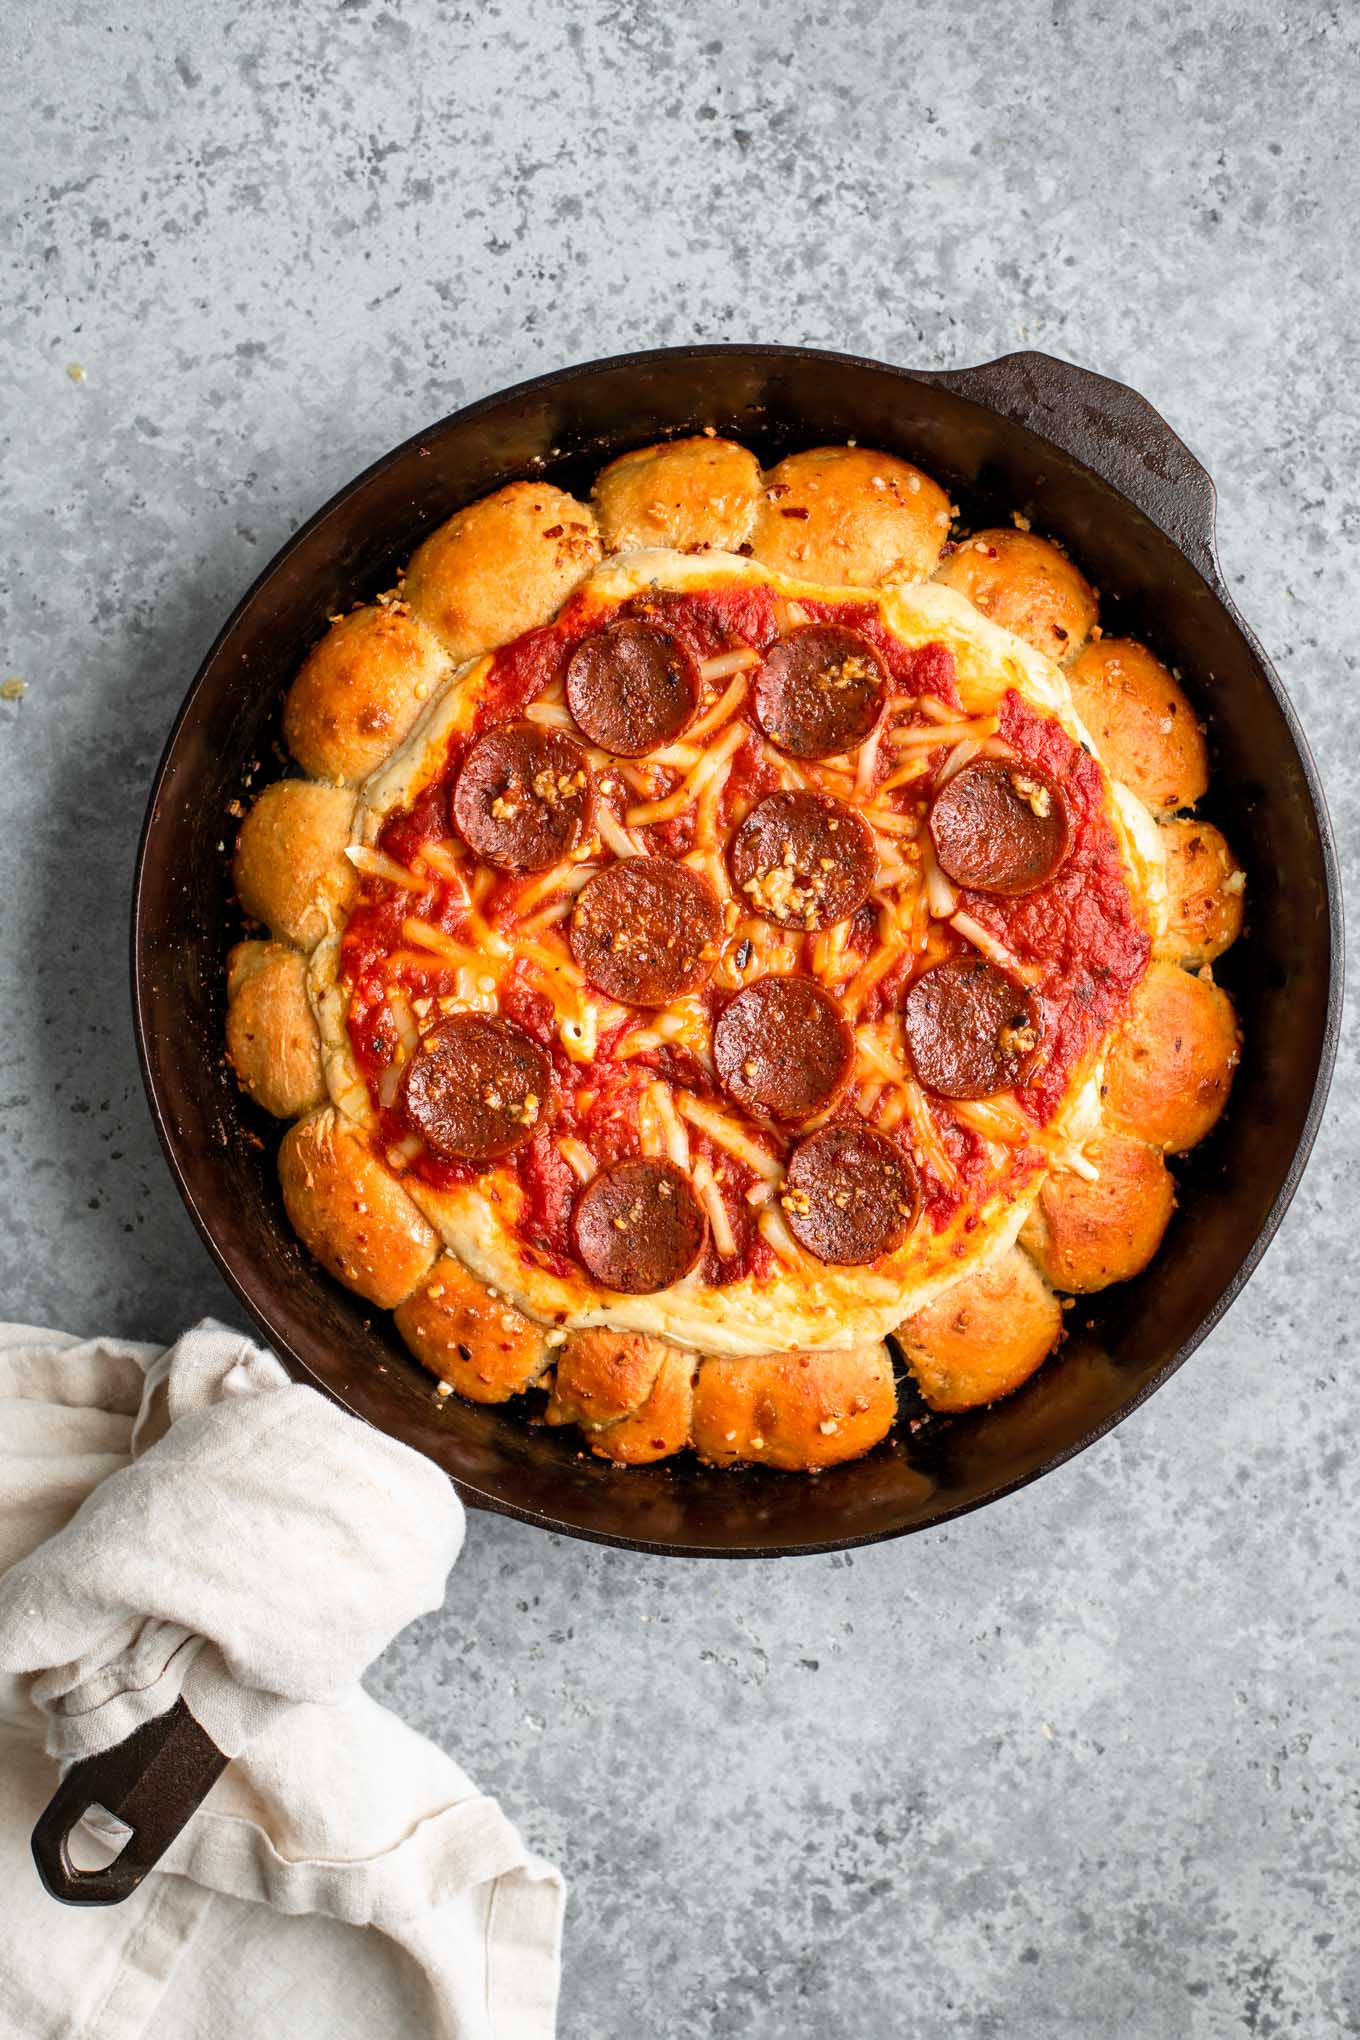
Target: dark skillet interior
x,y
1283,975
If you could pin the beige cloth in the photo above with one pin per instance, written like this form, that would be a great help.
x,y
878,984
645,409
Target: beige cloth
x,y
192,1522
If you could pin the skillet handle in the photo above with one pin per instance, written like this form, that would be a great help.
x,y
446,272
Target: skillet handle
x,y
1110,429
154,1781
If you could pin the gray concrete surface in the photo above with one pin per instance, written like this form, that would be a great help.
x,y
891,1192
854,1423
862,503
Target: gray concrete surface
x,y
1085,1765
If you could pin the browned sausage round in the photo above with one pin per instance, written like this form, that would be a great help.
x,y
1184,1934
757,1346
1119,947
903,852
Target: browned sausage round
x,y
1001,827
524,797
850,1194
646,930
804,860
475,1087
970,1031
783,1046
820,691
632,687
638,1226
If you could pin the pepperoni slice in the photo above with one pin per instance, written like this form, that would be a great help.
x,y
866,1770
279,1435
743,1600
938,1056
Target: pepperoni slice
x,y
970,1031
632,687
646,930
804,860
475,1087
1001,827
783,1046
820,691
638,1226
524,796
850,1194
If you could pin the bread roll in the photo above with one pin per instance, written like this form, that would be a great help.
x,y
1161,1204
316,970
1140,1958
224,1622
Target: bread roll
x,y
1085,1236
1143,725
982,1338
351,1212
1170,1068
793,1410
1026,585
359,691
272,1037
501,566
692,494
480,1344
291,871
1205,892
844,515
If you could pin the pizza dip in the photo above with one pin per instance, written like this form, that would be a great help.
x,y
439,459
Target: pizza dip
x,y
733,942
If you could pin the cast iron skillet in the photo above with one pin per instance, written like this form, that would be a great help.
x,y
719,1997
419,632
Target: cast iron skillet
x,y
1091,463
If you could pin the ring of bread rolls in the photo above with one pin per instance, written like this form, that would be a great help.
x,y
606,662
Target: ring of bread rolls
x,y
504,565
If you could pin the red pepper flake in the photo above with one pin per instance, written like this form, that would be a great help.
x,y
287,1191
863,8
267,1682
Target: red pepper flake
x,y
793,510
553,531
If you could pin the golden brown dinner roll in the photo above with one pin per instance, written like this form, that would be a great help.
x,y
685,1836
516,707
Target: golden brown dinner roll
x,y
471,1338
1144,728
846,515
351,1212
604,1375
1170,1068
660,1425
1026,585
1205,892
359,692
793,1410
271,1033
692,494
1086,1235
291,871
982,1338
501,566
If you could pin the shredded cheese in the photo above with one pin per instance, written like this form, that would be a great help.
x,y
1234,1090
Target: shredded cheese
x,y
422,935
962,754
579,1032
914,737
941,897
721,1131
925,1134
915,768
615,835
399,1006
376,864
867,762
994,951
673,1132
691,786
446,859
566,878
577,1157
724,664
710,1196
774,1230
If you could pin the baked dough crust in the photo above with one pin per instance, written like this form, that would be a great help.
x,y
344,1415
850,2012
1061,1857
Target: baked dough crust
x,y
272,1036
789,1371
847,517
501,566
1027,585
359,691
1143,725
688,495
984,1337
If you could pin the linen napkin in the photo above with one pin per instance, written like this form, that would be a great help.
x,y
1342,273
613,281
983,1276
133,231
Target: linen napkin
x,y
192,1523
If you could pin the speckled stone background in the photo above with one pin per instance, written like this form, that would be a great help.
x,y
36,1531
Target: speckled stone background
x,y
1086,1764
